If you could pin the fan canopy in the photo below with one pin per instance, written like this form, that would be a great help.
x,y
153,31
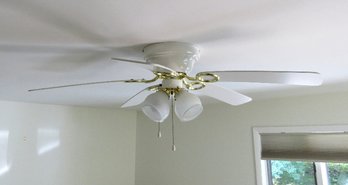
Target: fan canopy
x,y
178,56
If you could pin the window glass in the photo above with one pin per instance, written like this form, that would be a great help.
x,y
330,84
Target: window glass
x,y
338,173
292,173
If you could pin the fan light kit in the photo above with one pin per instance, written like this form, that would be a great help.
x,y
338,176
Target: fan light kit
x,y
171,64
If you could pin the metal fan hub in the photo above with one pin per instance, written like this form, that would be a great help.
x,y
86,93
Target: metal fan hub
x,y
179,56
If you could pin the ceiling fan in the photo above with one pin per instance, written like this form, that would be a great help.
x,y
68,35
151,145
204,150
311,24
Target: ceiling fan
x,y
173,88
171,63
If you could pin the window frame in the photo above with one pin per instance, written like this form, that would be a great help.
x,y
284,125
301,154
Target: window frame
x,y
261,165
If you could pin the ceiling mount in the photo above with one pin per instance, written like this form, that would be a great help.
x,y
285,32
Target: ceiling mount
x,y
179,56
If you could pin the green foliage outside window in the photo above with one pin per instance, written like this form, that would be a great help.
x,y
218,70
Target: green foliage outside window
x,y
338,173
292,173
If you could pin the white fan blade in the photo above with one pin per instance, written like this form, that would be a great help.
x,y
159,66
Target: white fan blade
x,y
278,77
145,65
224,95
80,84
138,98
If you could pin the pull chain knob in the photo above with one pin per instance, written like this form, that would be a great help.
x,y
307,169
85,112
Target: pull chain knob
x,y
173,148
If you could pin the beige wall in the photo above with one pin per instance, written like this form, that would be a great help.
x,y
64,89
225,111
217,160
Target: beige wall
x,y
59,145
97,146
216,148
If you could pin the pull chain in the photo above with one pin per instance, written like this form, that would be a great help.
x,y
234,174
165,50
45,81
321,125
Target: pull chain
x,y
159,134
173,134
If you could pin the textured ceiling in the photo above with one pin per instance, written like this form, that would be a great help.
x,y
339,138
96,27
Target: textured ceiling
x,y
49,42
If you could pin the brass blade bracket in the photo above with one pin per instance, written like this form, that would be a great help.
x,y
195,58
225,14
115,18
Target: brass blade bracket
x,y
191,83
199,81
142,80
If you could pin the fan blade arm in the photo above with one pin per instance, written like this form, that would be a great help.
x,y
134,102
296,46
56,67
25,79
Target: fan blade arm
x,y
88,83
222,94
308,78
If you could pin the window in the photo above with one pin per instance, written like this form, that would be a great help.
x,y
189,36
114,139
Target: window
x,y
301,143
282,172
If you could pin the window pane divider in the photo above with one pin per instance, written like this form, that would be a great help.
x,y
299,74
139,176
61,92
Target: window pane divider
x,y
321,173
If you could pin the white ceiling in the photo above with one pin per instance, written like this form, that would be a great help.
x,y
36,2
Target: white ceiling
x,y
49,42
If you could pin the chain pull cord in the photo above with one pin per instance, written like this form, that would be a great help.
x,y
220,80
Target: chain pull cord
x,y
159,134
173,134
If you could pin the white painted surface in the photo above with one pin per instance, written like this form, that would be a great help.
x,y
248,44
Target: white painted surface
x,y
60,145
217,147
47,42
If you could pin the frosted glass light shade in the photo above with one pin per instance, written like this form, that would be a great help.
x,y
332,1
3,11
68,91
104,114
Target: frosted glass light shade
x,y
187,106
157,106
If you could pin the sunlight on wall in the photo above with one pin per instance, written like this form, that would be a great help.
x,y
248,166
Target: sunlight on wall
x,y
4,167
47,140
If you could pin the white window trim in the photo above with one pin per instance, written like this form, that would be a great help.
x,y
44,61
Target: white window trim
x,y
260,165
